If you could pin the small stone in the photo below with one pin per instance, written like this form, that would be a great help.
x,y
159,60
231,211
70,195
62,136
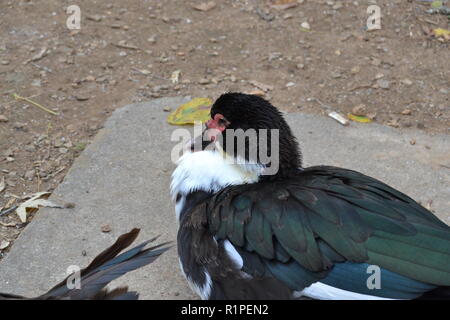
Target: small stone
x,y
3,118
355,70
167,109
290,84
29,175
336,75
95,17
383,84
305,25
63,150
68,144
406,112
4,62
152,39
30,148
82,97
83,253
412,142
160,88
106,228
406,82
4,244
376,61
123,54
379,76
204,81
19,125
58,143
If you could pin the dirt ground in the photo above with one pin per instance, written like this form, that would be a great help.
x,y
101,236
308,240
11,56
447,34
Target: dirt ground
x,y
127,51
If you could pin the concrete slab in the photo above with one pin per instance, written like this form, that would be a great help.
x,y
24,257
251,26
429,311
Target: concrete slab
x,y
122,179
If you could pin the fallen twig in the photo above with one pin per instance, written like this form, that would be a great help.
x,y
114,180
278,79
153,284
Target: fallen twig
x,y
17,97
42,67
6,211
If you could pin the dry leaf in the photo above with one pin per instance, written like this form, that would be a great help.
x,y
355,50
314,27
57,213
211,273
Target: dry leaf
x,y
359,110
257,92
205,6
125,45
175,76
406,112
35,202
393,123
262,86
283,4
40,55
428,205
2,184
9,224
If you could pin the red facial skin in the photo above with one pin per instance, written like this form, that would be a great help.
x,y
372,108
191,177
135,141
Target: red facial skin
x,y
216,126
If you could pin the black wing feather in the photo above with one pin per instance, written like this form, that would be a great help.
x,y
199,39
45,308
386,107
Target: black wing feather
x,y
327,215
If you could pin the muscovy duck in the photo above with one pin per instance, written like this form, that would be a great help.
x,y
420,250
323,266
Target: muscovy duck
x,y
106,267
319,232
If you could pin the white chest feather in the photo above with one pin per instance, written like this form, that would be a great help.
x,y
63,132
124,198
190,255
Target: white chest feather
x,y
209,171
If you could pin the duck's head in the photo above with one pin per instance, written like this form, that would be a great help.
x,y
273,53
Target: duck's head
x,y
246,139
236,113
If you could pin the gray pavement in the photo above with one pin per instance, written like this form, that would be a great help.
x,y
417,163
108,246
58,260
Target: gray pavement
x,y
122,179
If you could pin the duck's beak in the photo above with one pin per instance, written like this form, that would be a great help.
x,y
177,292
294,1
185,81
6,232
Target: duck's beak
x,y
205,141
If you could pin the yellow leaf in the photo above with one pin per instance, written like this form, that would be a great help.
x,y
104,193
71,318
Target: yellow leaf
x,y
197,109
439,32
361,119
